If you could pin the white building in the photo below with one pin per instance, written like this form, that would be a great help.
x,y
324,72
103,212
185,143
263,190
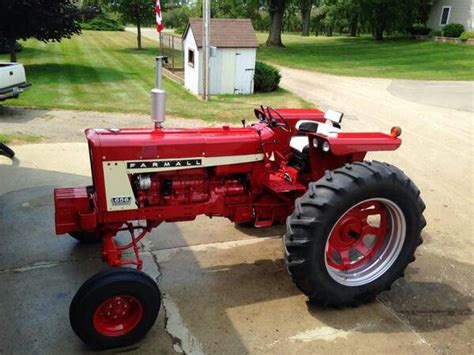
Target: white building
x,y
233,54
444,12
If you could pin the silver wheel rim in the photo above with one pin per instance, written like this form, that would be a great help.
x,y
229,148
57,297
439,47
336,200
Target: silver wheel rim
x,y
386,256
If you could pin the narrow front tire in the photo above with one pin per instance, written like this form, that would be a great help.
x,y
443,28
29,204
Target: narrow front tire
x,y
115,308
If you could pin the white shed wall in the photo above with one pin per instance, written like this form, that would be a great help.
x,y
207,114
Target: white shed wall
x,y
191,74
244,70
231,69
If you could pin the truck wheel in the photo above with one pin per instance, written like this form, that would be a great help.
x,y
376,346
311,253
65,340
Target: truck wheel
x,y
115,308
353,233
85,237
6,151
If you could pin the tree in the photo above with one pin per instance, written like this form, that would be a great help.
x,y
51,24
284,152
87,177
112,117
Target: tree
x,y
305,9
138,12
276,10
45,20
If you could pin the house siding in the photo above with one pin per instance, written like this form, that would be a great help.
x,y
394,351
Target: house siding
x,y
462,11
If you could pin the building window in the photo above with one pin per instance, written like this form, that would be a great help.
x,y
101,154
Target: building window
x,y
445,11
190,57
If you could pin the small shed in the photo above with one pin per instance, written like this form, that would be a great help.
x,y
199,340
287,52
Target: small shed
x,y
232,57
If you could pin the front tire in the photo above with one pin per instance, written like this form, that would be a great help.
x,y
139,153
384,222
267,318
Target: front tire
x,y
85,237
115,308
353,233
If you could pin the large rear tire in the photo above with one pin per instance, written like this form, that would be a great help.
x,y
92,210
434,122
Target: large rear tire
x,y
353,233
115,308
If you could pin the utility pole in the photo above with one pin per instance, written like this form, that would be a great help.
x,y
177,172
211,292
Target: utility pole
x,y
206,11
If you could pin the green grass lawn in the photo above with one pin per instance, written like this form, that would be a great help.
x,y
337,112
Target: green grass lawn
x,y
19,138
101,71
394,58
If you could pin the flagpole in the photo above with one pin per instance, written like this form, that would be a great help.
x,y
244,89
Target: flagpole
x,y
206,20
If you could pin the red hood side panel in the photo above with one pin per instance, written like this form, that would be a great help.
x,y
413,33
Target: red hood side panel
x,y
130,144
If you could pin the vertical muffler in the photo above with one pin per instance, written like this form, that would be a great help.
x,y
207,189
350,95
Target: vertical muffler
x,y
158,96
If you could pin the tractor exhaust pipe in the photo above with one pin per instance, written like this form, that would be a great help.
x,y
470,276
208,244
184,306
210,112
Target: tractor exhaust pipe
x,y
158,96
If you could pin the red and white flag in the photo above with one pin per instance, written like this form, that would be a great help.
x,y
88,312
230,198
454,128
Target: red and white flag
x,y
159,18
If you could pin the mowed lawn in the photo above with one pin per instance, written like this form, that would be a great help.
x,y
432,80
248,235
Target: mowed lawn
x,y
102,71
393,58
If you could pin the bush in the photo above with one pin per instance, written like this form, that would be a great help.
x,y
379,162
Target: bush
x,y
453,30
5,48
266,77
102,23
179,30
466,35
436,33
419,29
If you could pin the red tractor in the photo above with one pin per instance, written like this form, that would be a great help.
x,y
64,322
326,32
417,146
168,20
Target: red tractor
x,y
352,225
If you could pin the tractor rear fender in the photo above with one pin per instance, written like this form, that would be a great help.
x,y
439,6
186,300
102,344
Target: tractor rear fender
x,y
341,144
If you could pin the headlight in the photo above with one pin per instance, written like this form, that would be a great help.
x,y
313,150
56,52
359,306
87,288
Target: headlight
x,y
315,143
326,146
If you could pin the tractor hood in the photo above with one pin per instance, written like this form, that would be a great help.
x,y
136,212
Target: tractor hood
x,y
131,144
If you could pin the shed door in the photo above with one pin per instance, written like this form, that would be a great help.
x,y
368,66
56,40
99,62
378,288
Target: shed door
x,y
244,70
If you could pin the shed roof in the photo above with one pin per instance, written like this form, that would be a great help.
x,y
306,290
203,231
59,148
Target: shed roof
x,y
224,32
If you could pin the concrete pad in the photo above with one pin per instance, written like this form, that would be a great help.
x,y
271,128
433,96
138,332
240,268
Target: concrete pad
x,y
205,230
435,299
237,298
34,311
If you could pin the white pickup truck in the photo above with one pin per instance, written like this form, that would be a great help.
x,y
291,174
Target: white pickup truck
x,y
12,80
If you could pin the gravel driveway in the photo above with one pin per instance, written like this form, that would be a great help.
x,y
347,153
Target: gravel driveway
x,y
69,126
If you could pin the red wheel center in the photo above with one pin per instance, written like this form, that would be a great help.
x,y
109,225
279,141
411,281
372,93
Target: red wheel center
x,y
354,241
349,232
118,315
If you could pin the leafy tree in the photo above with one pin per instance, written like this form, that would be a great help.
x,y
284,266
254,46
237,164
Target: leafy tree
x,y
138,12
45,20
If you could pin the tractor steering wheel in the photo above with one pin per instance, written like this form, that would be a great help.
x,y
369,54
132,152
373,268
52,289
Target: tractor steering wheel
x,y
273,122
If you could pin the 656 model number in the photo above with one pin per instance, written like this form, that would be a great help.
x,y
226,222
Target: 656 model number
x,y
121,200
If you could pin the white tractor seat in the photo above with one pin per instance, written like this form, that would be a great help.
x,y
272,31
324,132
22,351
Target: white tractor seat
x,y
301,143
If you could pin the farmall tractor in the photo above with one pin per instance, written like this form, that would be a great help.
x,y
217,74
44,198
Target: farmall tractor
x,y
352,226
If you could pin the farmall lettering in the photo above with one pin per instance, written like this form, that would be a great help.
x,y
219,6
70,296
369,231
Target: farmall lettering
x,y
164,164
352,225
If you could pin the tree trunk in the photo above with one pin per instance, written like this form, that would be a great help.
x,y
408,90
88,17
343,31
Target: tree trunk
x,y
354,26
276,11
139,34
11,47
379,29
329,31
306,17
